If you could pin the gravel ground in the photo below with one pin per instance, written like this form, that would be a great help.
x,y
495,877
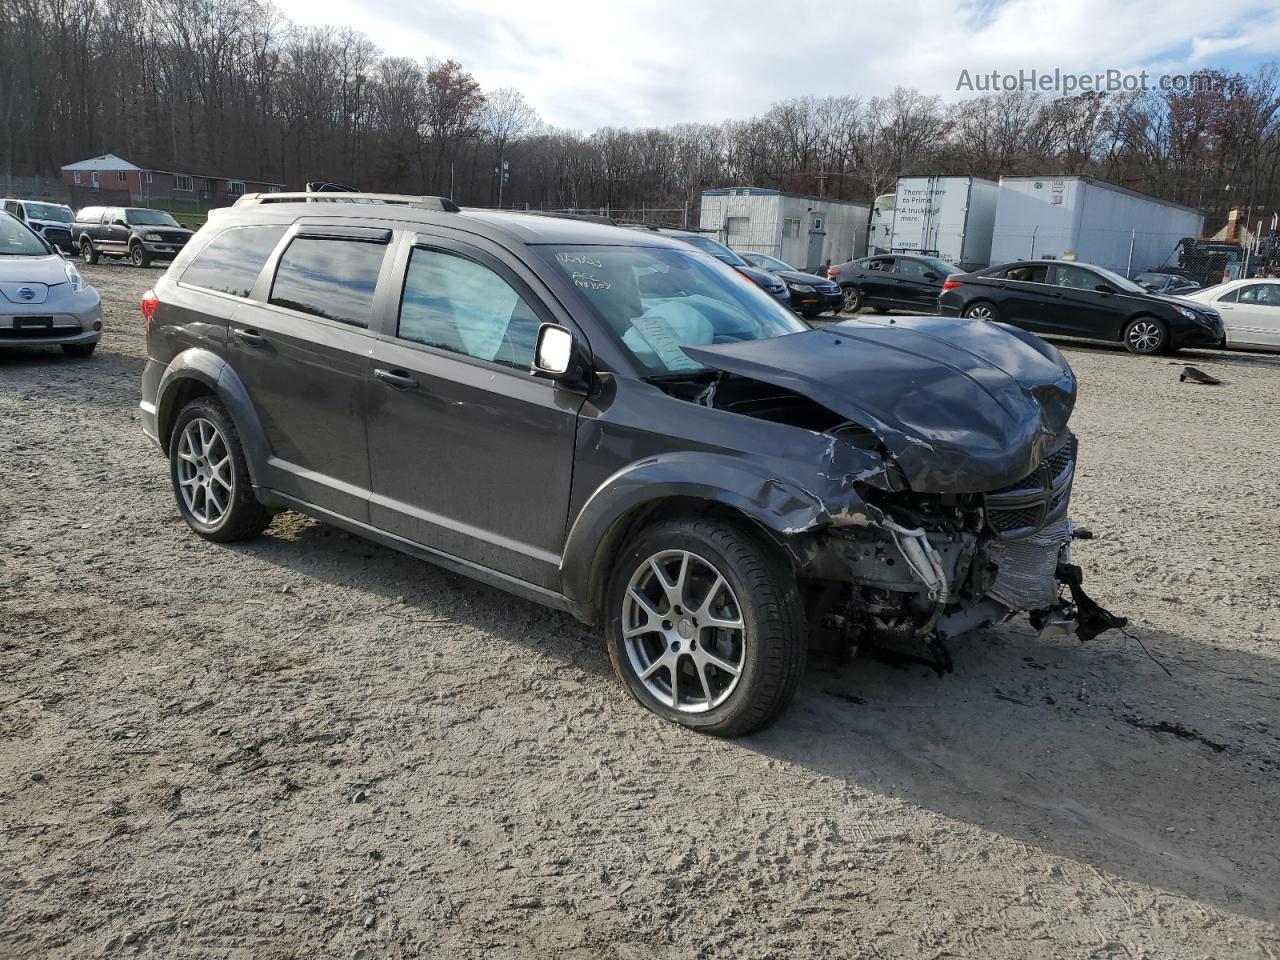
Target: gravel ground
x,y
309,746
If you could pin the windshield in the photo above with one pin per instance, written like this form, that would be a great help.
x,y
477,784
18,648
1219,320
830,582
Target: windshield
x,y
157,218
48,211
941,267
766,262
17,240
1119,282
713,247
657,300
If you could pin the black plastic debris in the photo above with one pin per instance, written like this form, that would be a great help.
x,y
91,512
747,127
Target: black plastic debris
x,y
1197,376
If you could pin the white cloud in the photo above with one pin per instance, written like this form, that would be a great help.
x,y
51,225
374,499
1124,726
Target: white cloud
x,y
654,62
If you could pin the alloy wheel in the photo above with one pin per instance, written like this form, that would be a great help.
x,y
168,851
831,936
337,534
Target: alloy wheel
x,y
683,631
206,479
852,300
980,312
1145,336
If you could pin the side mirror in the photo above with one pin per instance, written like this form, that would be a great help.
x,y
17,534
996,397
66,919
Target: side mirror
x,y
119,222
553,353
1105,288
930,275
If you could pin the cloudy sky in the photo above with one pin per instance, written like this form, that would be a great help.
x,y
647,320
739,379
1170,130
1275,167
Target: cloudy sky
x,y
585,65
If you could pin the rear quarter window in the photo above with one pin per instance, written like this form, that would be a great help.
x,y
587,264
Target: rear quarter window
x,y
329,278
232,261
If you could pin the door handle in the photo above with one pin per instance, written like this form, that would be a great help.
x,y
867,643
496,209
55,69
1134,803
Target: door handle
x,y
251,337
396,378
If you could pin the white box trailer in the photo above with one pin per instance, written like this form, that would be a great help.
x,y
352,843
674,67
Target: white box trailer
x,y
946,217
1079,218
880,232
807,232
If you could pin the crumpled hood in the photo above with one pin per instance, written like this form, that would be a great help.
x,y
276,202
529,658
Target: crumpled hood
x,y
963,406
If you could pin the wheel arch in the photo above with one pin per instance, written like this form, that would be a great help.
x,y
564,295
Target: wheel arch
x,y
200,372
659,490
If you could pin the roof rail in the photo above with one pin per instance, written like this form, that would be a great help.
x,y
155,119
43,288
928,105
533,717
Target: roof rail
x,y
443,204
588,217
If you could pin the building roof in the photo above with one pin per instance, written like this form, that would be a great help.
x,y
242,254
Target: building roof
x,y
108,161
767,192
111,162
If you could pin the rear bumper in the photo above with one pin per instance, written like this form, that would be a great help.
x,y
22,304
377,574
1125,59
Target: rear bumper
x,y
152,373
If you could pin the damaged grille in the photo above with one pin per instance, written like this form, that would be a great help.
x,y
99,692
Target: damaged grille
x,y
1035,501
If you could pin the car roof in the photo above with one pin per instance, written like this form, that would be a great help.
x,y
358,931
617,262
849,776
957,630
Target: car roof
x,y
527,228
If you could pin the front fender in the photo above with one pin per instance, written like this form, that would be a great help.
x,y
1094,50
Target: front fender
x,y
785,507
212,371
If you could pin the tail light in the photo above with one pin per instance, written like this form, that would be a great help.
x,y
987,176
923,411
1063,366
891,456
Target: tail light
x,y
951,284
833,272
149,304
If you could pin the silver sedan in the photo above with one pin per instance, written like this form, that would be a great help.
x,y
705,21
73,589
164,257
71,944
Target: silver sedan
x,y
43,299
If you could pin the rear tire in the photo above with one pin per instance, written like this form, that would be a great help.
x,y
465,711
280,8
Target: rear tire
x,y
982,310
1146,336
210,475
138,256
88,252
723,620
79,349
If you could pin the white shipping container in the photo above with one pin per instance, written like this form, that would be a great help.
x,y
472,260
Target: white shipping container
x,y
1079,218
806,232
880,234
947,217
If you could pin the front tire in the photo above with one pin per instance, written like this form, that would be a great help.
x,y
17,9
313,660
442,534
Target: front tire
x,y
88,252
138,256
705,626
210,475
1146,336
852,302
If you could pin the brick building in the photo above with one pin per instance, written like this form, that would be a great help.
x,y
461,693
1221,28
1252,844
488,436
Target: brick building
x,y
109,174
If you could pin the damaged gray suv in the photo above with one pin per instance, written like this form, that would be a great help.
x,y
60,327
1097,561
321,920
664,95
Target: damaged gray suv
x,y
616,425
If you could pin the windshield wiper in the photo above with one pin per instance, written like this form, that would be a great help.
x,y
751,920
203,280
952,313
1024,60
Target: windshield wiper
x,y
679,376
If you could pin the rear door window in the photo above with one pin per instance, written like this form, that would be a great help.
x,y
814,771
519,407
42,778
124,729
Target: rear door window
x,y
329,278
232,262
1029,273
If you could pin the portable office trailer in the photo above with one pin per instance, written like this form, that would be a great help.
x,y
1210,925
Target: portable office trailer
x,y
806,232
946,217
1079,218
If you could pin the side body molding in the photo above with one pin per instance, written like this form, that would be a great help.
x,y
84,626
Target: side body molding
x,y
212,371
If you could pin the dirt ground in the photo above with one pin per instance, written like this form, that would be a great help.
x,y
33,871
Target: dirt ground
x,y
308,746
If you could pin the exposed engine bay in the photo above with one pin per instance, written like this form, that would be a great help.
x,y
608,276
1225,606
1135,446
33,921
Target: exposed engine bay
x,y
918,556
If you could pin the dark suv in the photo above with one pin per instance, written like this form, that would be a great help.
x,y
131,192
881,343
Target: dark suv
x,y
1081,300
137,234
610,423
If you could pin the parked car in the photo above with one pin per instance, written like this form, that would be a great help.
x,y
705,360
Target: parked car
x,y
683,462
1250,310
51,220
1169,284
709,245
43,300
810,295
134,233
1081,300
892,282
